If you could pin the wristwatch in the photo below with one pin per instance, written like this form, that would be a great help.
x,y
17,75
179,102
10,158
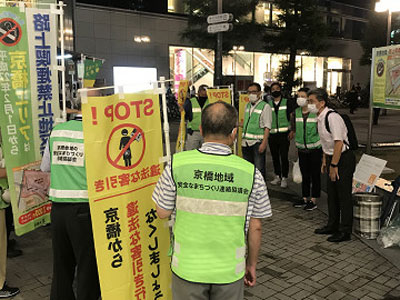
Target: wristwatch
x,y
333,165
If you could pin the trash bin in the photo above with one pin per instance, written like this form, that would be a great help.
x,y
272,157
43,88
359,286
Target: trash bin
x,y
367,213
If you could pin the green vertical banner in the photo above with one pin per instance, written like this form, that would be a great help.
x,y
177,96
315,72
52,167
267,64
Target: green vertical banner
x,y
92,68
26,109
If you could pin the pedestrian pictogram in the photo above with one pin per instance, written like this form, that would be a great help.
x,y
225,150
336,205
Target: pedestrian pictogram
x,y
126,146
10,32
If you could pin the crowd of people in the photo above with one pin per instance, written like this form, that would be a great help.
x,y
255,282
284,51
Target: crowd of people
x,y
216,232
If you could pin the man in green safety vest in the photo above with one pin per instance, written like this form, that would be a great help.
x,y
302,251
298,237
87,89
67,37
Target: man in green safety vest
x,y
256,127
279,138
193,108
219,200
5,291
71,227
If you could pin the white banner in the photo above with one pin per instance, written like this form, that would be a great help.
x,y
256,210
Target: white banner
x,y
42,39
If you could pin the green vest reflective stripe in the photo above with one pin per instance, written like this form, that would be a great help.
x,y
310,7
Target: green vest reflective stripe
x,y
68,170
251,124
280,124
211,209
310,140
196,110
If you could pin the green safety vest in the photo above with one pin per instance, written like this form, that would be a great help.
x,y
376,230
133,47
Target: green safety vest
x,y
196,110
211,208
3,186
67,157
280,124
251,124
310,140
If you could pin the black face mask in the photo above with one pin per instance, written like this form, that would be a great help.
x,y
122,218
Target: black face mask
x,y
276,94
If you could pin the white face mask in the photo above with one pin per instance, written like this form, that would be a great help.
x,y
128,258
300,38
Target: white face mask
x,y
301,102
253,98
312,108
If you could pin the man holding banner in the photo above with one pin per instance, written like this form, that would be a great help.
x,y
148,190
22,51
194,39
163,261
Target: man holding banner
x,y
256,127
193,109
72,236
219,200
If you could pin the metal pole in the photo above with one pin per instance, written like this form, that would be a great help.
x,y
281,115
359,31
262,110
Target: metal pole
x,y
64,112
371,108
389,27
218,53
165,115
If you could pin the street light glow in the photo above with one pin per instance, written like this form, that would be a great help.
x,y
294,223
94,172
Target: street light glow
x,y
384,5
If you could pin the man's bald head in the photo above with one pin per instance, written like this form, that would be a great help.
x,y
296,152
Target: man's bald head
x,y
218,119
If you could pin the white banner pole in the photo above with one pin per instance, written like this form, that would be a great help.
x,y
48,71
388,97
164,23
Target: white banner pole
x,y
235,145
165,116
63,92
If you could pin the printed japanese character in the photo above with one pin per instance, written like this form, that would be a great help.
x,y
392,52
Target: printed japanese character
x,y
140,293
228,189
27,147
209,175
180,184
139,280
234,189
135,177
45,92
124,179
145,173
135,238
154,257
23,114
198,174
155,247
156,286
18,60
14,150
13,140
136,252
245,191
132,208
43,75
43,58
229,177
155,275
117,262
153,229
151,216
158,295
23,130
5,87
41,22
8,109
113,230
115,245
114,181
133,223
218,176
155,170
111,215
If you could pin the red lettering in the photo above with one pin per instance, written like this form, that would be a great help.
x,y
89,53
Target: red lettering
x,y
136,104
109,112
148,107
118,114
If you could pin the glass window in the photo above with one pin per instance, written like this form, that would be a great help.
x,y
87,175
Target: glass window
x,y
275,17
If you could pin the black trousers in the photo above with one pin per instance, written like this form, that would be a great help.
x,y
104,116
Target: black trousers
x,y
310,167
252,155
340,203
73,247
9,221
279,147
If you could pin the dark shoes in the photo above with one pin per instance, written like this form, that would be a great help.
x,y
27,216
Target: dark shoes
x,y
339,237
7,292
324,230
310,206
299,203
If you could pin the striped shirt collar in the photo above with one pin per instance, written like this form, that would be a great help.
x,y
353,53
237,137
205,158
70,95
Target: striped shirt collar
x,y
215,148
78,117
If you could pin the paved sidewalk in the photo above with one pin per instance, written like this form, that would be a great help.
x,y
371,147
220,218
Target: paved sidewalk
x,y
297,264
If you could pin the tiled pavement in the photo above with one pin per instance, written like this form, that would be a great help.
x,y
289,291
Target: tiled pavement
x,y
297,264
294,263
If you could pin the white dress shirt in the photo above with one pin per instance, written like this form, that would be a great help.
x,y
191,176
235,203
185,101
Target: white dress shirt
x,y
338,131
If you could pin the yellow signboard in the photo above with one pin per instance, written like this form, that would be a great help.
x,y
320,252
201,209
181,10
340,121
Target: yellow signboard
x,y
215,95
123,146
243,100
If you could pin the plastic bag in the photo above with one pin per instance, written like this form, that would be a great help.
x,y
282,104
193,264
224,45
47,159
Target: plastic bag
x,y
297,178
390,236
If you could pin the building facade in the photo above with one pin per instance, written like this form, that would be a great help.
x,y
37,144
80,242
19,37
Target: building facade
x,y
131,38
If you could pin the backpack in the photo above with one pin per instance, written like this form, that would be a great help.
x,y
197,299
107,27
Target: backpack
x,y
351,134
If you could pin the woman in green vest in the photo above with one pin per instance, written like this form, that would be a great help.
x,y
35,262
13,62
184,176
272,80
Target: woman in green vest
x,y
310,153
